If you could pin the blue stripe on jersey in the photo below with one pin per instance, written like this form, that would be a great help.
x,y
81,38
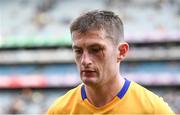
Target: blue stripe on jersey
x,y
83,93
124,89
120,94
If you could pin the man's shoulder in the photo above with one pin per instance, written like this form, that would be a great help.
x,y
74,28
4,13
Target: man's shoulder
x,y
64,102
143,92
149,99
72,93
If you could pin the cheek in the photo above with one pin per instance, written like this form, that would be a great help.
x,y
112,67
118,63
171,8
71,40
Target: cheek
x,y
77,59
108,61
99,58
101,61
101,55
77,63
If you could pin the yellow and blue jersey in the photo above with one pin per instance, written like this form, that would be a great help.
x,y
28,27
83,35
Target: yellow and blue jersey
x,y
132,99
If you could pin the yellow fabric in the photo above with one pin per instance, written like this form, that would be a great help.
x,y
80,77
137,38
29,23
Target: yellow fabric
x,y
137,100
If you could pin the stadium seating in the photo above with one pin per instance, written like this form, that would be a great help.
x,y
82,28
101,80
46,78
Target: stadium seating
x,y
31,27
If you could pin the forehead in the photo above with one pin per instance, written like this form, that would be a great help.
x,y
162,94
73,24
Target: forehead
x,y
90,38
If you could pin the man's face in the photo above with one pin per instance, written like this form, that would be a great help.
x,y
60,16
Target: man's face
x,y
95,56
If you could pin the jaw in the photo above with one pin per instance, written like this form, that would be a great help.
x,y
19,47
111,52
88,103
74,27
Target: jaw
x,y
90,80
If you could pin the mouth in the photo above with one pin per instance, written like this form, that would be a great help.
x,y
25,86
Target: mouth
x,y
88,73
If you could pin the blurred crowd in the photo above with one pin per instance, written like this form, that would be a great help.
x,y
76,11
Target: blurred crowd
x,y
23,102
45,22
27,100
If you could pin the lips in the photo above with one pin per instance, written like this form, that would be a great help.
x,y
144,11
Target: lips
x,y
88,73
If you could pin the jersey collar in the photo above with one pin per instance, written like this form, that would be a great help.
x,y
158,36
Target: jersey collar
x,y
120,94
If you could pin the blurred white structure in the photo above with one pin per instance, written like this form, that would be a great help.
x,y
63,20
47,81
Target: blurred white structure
x,y
37,22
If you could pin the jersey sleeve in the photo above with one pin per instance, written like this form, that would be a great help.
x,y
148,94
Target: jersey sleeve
x,y
162,107
156,103
55,107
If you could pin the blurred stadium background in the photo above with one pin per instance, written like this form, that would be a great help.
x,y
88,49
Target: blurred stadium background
x,y
36,61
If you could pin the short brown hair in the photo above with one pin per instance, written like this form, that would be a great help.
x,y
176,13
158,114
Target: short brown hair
x,y
100,19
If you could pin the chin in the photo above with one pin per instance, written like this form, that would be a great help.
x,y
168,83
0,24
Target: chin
x,y
89,82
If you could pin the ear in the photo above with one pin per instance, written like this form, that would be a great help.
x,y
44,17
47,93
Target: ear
x,y
123,49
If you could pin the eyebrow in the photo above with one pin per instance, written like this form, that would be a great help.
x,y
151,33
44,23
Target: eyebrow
x,y
95,45
76,47
92,45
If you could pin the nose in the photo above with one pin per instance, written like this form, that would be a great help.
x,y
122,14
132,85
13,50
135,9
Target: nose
x,y
86,60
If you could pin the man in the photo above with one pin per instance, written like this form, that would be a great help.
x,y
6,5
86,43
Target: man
x,y
99,48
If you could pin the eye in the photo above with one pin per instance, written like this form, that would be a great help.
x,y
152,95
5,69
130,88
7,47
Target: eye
x,y
95,50
78,51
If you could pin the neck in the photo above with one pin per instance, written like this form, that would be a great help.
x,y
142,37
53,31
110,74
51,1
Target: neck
x,y
100,96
